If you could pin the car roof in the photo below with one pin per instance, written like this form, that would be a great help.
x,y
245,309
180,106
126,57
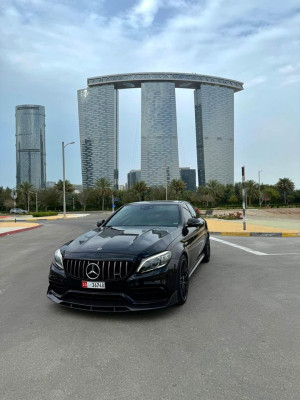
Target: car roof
x,y
157,202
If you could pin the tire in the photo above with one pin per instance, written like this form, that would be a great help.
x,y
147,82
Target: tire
x,y
182,280
206,251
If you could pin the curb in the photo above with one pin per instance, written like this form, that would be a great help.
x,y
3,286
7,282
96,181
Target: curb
x,y
20,230
257,234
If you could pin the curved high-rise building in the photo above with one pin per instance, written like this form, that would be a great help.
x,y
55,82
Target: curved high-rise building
x,y
214,117
30,145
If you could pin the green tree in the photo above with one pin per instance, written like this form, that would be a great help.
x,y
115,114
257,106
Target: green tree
x,y
251,191
68,185
140,187
25,189
270,194
214,190
103,189
284,187
49,198
156,193
87,197
233,199
178,186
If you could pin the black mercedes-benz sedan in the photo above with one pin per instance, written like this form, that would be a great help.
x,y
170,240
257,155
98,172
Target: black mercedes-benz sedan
x,y
140,258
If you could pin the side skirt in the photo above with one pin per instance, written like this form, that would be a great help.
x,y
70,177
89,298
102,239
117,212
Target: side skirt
x,y
196,265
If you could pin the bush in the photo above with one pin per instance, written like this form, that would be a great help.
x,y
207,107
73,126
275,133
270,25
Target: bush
x,y
44,214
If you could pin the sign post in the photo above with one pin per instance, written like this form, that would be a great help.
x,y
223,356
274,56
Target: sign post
x,y
14,196
244,198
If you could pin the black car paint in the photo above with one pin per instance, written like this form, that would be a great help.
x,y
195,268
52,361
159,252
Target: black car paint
x,y
154,289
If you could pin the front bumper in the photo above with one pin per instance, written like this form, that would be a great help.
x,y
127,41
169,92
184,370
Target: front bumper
x,y
154,290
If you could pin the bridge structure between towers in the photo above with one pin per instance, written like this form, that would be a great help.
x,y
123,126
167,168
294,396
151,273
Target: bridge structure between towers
x,y
98,108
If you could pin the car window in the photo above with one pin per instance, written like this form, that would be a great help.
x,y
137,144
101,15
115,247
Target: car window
x,y
192,211
186,213
146,215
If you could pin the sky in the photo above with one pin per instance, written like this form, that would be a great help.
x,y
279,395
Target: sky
x,y
50,48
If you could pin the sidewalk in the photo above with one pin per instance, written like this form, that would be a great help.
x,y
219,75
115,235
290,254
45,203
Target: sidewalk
x,y
254,228
8,226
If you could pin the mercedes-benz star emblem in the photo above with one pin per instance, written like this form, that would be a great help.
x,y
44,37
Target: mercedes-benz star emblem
x,y
92,271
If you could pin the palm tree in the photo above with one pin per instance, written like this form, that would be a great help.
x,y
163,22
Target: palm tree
x,y
26,188
103,189
69,187
214,190
252,191
140,187
285,185
178,186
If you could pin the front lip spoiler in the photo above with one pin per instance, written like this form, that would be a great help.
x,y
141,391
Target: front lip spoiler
x,y
112,306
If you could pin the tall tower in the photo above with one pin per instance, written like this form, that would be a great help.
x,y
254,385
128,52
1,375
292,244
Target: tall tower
x,y
30,145
214,114
98,127
159,143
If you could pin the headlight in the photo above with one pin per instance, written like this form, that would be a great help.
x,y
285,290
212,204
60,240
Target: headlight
x,y
58,259
154,262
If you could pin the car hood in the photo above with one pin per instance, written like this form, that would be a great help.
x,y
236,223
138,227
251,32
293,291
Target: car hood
x,y
141,241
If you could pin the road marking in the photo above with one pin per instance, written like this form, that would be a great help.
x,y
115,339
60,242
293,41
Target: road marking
x,y
257,253
280,254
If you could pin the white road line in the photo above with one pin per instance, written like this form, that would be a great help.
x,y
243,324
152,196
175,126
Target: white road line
x,y
257,253
280,254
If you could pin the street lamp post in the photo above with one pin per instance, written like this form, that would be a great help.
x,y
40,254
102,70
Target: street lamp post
x,y
63,145
259,200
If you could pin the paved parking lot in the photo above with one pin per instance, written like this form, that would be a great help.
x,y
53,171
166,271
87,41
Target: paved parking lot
x,y
237,337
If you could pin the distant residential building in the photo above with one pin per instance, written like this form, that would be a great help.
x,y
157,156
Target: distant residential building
x,y
188,176
30,145
133,176
121,187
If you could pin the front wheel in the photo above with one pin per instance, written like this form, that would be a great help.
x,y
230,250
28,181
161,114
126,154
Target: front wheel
x,y
206,251
182,280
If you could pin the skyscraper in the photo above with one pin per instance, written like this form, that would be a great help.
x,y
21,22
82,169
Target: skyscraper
x,y
98,126
214,114
188,176
214,107
159,144
133,176
30,145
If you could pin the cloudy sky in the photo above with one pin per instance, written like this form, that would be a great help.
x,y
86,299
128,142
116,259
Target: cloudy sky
x,y
50,48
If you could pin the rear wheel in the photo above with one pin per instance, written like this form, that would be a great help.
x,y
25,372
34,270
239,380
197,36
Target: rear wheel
x,y
182,280
206,251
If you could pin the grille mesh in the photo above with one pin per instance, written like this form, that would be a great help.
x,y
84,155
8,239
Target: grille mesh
x,y
109,270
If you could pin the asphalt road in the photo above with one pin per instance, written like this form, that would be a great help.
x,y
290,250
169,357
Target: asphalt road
x,y
236,338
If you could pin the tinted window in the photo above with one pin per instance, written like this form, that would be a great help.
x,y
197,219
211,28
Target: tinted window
x,y
186,213
192,211
146,215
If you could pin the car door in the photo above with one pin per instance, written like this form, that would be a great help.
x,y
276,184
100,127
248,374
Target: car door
x,y
201,232
190,238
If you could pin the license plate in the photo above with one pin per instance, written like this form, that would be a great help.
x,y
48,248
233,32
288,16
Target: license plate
x,y
93,285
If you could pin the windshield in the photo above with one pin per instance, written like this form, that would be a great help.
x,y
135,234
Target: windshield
x,y
146,215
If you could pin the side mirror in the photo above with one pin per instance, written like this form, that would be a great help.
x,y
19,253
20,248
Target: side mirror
x,y
100,223
195,222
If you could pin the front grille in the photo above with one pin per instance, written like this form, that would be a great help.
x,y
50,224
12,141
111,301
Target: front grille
x,y
108,270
